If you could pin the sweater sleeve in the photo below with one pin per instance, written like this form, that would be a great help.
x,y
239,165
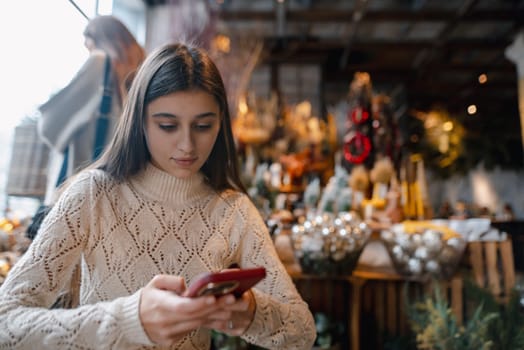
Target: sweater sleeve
x,y
45,269
282,319
73,106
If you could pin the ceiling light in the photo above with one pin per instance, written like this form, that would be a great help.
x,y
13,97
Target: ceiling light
x,y
472,109
483,78
447,126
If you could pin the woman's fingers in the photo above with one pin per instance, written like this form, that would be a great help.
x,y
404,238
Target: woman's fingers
x,y
229,302
242,311
168,282
220,315
235,326
166,316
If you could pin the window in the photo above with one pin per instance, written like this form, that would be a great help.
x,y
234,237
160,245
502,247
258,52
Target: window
x,y
43,49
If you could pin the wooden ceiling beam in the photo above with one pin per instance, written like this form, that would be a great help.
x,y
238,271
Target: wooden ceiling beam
x,y
335,15
402,44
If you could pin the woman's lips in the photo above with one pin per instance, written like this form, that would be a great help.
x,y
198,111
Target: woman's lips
x,y
185,162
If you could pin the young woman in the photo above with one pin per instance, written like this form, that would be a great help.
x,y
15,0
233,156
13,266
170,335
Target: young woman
x,y
162,205
68,118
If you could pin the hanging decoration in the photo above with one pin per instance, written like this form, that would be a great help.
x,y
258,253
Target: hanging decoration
x,y
386,139
357,142
444,135
359,115
357,148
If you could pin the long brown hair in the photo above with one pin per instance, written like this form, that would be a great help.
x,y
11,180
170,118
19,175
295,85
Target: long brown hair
x,y
111,36
172,68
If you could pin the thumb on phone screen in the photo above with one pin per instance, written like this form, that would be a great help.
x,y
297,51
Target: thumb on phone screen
x,y
172,283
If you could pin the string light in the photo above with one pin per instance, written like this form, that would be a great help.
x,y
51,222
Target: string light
x,y
472,109
483,78
447,126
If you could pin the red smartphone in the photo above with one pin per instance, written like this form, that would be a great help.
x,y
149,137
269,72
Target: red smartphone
x,y
235,281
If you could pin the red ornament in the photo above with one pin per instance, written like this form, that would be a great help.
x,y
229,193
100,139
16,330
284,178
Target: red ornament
x,y
359,115
359,143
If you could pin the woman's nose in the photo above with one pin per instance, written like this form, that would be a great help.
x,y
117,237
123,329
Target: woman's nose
x,y
185,143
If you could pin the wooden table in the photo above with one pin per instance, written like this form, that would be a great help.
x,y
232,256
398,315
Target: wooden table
x,y
385,285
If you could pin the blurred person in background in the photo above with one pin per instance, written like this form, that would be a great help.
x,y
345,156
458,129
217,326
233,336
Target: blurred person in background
x,y
68,122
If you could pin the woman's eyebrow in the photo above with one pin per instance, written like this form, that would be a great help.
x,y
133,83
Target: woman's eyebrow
x,y
170,115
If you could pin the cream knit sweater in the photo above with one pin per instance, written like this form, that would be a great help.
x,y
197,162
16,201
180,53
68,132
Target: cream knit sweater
x,y
124,234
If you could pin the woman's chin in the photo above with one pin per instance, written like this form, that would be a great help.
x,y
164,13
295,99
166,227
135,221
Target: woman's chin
x,y
182,173
177,171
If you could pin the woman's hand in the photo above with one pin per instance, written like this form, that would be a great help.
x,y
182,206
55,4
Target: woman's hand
x,y
167,317
242,312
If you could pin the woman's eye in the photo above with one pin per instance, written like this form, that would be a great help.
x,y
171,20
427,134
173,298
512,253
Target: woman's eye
x,y
203,127
167,127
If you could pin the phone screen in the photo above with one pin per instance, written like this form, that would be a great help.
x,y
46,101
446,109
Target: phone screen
x,y
218,288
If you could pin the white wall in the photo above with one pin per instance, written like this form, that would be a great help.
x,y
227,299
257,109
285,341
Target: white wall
x,y
481,187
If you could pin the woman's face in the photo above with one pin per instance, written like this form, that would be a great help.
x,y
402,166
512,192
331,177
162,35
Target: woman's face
x,y
181,129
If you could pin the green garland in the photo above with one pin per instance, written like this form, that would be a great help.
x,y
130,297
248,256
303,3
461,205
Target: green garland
x,y
491,325
497,150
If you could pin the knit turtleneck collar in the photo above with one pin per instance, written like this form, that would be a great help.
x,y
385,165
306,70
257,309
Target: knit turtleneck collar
x,y
162,186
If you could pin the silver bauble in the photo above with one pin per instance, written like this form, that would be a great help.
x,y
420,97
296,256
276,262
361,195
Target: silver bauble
x,y
447,255
432,240
432,266
404,240
421,253
456,242
387,236
414,266
417,239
